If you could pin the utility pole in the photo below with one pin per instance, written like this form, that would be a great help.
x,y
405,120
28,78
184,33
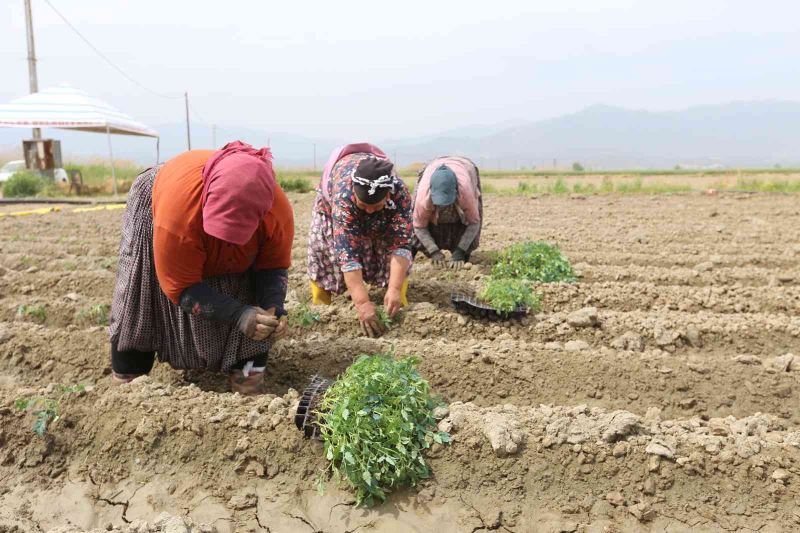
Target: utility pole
x,y
214,136
34,82
188,130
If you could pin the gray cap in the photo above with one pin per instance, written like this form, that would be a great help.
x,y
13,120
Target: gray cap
x,y
444,186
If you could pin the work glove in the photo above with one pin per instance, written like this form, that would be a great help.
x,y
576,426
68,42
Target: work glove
x,y
437,258
458,259
371,324
257,324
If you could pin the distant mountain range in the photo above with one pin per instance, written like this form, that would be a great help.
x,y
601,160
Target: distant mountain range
x,y
755,134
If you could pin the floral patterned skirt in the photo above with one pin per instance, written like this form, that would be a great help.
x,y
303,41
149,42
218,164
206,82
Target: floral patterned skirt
x,y
324,269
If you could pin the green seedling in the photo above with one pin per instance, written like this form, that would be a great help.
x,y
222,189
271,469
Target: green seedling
x,y
304,316
36,313
535,261
384,317
377,418
97,315
45,411
507,294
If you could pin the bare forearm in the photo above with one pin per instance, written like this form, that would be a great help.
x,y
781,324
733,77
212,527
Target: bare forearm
x,y
355,286
398,269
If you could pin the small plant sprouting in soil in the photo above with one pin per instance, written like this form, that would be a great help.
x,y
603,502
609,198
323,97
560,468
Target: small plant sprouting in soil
x,y
36,313
536,261
108,263
384,317
507,294
45,410
377,418
96,315
304,316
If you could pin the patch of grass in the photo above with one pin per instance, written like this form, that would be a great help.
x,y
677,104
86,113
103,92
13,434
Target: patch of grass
x,y
45,410
580,188
507,294
606,186
27,261
377,418
559,187
96,315
303,316
108,263
35,313
23,185
69,266
523,187
296,184
754,185
535,261
98,175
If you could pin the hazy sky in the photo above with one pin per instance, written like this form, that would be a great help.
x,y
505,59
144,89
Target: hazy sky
x,y
391,69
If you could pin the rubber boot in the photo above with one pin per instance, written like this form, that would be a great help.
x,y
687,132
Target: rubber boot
x,y
319,296
404,293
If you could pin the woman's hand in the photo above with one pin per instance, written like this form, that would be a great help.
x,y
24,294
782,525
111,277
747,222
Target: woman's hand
x,y
392,302
257,324
281,331
371,324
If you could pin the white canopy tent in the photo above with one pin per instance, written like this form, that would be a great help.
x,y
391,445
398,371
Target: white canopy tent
x,y
65,107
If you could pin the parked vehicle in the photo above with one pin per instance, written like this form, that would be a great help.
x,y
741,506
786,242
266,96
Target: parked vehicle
x,y
12,167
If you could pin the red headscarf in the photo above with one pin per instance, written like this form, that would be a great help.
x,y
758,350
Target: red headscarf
x,y
238,190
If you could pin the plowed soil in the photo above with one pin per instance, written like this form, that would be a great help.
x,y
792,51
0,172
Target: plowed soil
x,y
670,402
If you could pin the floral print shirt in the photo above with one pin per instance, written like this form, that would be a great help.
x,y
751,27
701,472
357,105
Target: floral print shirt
x,y
354,228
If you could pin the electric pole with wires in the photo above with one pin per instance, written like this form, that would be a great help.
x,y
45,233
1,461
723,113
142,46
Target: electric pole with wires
x,y
188,129
33,79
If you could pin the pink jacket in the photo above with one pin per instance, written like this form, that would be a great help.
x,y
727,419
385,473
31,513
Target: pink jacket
x,y
339,153
468,192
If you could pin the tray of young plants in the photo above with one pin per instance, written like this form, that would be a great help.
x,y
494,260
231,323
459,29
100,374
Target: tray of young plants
x,y
499,299
305,418
508,293
375,421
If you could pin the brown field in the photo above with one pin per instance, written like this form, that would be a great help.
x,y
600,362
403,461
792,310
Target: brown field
x,y
678,410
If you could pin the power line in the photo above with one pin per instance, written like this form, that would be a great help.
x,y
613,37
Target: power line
x,y
106,59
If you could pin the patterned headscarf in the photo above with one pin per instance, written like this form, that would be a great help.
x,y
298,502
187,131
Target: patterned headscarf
x,y
373,179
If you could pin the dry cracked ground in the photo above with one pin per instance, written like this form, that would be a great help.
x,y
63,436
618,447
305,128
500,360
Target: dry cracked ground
x,y
659,393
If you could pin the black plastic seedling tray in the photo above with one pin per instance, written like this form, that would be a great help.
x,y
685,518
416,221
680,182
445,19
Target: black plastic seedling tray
x,y
467,304
305,418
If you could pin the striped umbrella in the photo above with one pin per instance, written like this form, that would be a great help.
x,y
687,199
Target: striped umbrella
x,y
66,107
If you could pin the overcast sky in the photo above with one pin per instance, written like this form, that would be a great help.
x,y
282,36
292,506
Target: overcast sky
x,y
396,69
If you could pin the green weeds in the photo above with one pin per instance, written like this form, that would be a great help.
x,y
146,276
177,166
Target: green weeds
x,y
377,418
96,315
23,185
296,184
35,313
